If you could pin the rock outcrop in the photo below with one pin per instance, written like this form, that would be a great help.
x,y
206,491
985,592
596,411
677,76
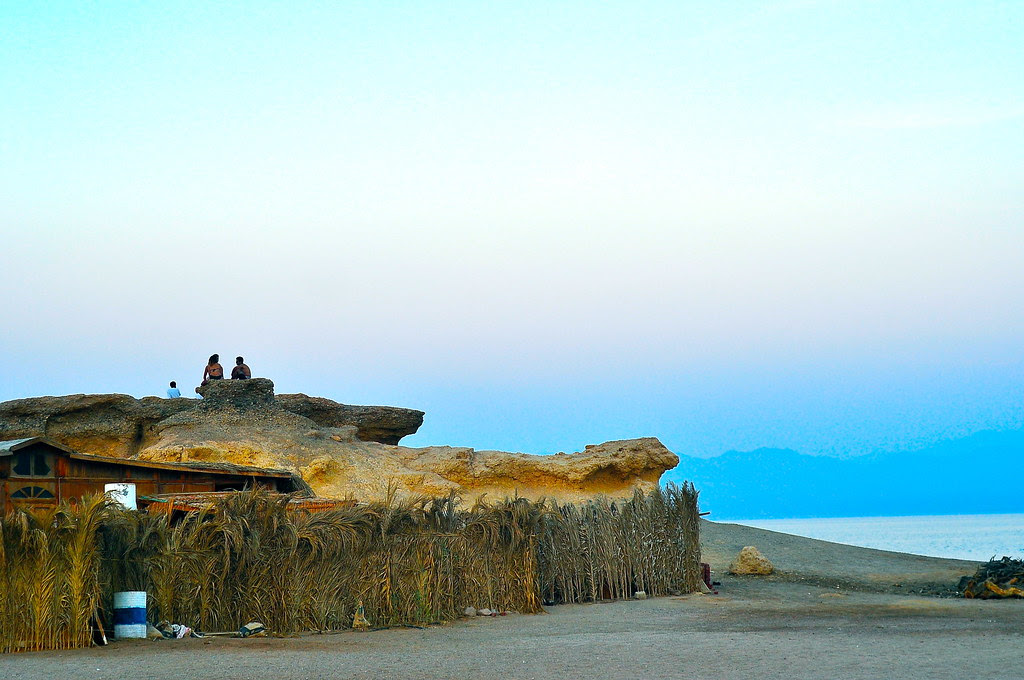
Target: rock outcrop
x,y
121,426
751,561
254,394
612,468
242,422
384,424
107,424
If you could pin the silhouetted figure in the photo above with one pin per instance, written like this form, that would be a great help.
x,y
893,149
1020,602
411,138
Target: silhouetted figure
x,y
240,371
213,371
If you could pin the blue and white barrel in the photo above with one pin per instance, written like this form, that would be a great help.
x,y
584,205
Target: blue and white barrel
x,y
130,614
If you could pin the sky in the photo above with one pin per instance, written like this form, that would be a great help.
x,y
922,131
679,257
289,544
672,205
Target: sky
x,y
725,224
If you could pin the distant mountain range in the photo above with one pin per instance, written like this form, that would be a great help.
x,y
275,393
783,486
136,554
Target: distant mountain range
x,y
975,475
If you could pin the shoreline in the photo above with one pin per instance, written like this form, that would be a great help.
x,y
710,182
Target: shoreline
x,y
971,537
811,560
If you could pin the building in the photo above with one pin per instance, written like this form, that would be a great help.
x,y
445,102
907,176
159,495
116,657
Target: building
x,y
38,472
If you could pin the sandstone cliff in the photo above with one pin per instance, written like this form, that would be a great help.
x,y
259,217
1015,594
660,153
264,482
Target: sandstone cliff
x,y
107,424
340,450
120,425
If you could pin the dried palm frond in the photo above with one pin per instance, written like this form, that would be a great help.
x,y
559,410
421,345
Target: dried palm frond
x,y
415,560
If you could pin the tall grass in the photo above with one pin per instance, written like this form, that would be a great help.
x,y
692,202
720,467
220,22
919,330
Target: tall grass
x,y
418,561
49,576
611,549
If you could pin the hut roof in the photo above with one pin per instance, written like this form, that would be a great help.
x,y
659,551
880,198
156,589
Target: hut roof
x,y
11,446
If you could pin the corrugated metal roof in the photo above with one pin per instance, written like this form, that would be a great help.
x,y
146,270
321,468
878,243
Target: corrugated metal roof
x,y
11,445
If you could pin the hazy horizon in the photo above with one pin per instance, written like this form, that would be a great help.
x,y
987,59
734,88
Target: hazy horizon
x,y
787,224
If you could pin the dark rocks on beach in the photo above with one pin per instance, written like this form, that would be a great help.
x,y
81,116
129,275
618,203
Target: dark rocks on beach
x,y
995,579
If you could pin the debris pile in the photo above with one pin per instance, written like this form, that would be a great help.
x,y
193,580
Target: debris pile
x,y
997,578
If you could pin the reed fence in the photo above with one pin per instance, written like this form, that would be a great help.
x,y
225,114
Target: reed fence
x,y
249,558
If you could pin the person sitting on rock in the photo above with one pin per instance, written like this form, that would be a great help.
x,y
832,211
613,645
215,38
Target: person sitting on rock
x,y
240,371
213,371
173,392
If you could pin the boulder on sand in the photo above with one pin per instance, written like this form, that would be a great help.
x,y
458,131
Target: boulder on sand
x,y
751,561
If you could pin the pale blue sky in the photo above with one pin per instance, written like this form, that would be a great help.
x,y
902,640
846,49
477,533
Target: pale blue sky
x,y
728,225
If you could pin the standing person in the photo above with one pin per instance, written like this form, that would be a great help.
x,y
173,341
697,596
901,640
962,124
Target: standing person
x,y
173,392
240,371
213,371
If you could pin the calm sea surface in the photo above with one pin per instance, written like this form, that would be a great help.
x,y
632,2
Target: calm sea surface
x,y
967,537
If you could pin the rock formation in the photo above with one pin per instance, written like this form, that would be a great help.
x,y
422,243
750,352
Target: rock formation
x,y
384,424
120,425
107,424
340,450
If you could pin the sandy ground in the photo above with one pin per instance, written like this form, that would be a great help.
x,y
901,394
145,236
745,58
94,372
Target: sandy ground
x,y
806,560
834,612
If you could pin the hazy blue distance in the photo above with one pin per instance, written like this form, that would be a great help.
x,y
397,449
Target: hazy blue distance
x,y
727,225
956,477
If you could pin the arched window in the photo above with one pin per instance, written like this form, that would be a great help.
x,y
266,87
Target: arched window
x,y
31,492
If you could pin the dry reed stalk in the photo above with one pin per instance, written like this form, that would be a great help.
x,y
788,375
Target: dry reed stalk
x,y
49,575
417,561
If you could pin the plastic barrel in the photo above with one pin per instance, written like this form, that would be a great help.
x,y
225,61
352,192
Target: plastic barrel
x,y
130,614
122,493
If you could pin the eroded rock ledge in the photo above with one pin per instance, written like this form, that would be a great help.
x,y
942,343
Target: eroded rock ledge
x,y
340,450
120,425
384,424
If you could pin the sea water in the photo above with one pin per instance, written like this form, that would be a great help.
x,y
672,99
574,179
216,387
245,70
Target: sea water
x,y
966,537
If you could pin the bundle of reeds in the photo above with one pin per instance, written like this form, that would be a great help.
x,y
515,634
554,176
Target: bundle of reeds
x,y
49,576
612,549
249,558
416,561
